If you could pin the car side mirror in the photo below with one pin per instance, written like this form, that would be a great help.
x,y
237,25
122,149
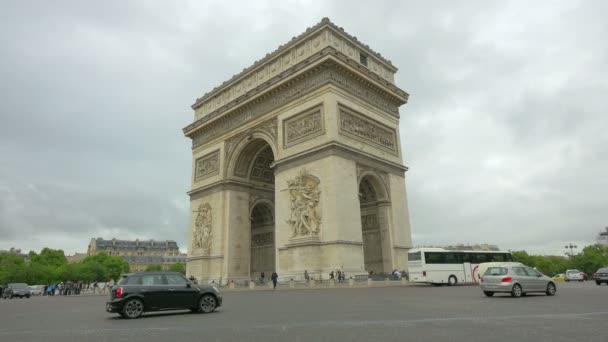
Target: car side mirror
x,y
539,275
188,285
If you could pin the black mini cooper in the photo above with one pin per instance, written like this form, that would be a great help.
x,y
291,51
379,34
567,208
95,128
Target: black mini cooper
x,y
137,293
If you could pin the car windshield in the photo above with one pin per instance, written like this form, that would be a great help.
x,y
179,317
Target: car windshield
x,y
602,270
495,271
18,286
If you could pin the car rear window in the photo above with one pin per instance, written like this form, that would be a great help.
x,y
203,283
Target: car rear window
x,y
18,286
495,271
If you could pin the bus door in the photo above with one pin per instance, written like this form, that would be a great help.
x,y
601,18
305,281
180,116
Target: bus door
x,y
468,274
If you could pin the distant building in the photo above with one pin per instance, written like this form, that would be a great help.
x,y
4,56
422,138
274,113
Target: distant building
x,y
602,237
16,251
77,257
139,254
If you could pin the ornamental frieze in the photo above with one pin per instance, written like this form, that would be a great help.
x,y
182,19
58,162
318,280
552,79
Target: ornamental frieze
x,y
360,128
262,239
207,166
291,92
303,126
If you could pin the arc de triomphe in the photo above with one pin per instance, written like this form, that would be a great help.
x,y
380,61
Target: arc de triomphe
x,y
297,165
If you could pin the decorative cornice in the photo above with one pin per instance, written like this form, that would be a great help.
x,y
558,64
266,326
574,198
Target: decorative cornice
x,y
330,70
338,149
282,49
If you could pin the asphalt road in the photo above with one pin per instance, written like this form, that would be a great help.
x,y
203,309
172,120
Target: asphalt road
x,y
578,312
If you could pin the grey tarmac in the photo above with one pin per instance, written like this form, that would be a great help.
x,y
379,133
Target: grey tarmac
x,y
578,312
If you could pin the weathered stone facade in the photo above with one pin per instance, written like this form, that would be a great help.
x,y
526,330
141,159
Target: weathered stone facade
x,y
297,165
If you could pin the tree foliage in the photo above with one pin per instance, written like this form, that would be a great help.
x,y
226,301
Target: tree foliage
x,y
178,267
588,261
51,266
154,268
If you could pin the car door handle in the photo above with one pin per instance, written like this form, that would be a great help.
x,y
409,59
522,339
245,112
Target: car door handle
x,y
144,290
171,289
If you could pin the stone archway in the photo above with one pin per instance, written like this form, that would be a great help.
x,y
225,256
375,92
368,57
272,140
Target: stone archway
x,y
262,239
252,166
372,199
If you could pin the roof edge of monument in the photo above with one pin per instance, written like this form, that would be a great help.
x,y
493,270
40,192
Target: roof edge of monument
x,y
325,22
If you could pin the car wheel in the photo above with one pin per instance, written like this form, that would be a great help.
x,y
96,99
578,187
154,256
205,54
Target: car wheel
x,y
133,308
207,304
452,280
567,280
550,289
598,282
28,296
516,291
488,293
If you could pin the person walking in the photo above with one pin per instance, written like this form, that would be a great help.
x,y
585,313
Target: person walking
x,y
274,277
262,276
306,276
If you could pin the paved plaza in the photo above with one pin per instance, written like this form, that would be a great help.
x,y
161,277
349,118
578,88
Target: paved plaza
x,y
405,313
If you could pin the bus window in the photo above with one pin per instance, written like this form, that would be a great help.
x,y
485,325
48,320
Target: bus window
x,y
414,256
452,258
434,258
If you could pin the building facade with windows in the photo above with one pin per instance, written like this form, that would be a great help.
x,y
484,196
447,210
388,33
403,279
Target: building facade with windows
x,y
139,253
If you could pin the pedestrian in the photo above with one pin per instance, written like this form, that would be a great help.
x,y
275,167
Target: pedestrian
x,y
274,278
262,278
331,275
95,287
306,277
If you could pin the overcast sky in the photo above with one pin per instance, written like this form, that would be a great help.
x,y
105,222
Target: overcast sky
x,y
505,133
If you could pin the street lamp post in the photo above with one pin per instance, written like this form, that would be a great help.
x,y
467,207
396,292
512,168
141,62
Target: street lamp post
x,y
571,247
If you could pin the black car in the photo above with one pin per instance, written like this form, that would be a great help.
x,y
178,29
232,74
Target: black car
x,y
16,290
137,293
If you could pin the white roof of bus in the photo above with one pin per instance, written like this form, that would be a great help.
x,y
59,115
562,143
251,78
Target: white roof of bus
x,y
437,249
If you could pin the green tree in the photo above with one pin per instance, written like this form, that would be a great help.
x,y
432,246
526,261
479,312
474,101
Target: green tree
x,y
178,267
591,258
12,268
49,257
115,266
154,268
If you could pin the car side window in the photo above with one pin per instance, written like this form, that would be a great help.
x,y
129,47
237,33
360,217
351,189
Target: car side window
x,y
531,272
152,279
174,279
519,271
135,280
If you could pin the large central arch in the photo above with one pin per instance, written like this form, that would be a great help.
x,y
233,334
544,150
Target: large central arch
x,y
253,165
373,199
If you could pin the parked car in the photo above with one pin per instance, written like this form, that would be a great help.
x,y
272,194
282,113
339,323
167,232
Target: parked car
x,y
601,276
16,290
516,280
137,293
559,277
574,275
36,290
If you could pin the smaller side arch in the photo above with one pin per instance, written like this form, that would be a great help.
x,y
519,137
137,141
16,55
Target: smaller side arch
x,y
245,142
377,182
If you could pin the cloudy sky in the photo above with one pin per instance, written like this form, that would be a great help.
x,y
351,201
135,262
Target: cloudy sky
x,y
505,134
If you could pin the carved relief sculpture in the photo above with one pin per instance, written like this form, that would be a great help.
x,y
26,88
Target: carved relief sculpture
x,y
203,233
360,128
303,127
304,195
207,165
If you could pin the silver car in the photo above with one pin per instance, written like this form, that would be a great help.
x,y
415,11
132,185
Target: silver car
x,y
516,280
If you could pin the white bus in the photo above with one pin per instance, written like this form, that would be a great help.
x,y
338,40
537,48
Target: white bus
x,y
441,266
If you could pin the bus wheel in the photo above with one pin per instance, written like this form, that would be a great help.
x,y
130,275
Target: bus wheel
x,y
452,280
